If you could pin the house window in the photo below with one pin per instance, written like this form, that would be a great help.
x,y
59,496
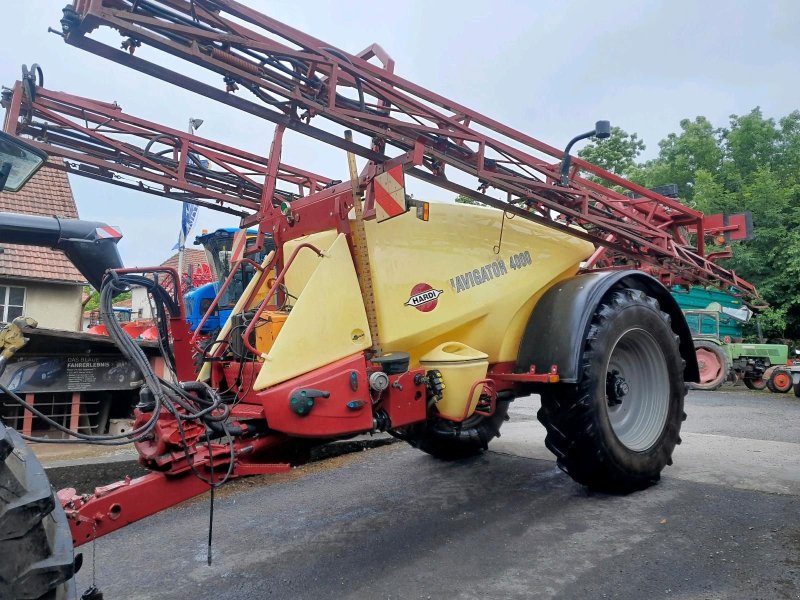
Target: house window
x,y
12,302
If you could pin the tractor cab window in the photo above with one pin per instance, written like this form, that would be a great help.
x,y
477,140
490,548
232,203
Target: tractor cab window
x,y
219,254
217,247
123,315
703,323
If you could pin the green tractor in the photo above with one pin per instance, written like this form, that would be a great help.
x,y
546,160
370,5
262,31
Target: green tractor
x,y
721,357
716,320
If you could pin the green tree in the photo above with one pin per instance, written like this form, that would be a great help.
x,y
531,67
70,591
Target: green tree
x,y
710,196
750,145
93,302
682,155
767,258
751,164
462,199
774,323
787,162
617,153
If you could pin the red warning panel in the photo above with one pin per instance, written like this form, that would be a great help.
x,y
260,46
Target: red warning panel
x,y
108,232
390,194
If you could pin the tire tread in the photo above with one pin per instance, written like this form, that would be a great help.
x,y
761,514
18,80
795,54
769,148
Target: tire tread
x,y
35,538
568,411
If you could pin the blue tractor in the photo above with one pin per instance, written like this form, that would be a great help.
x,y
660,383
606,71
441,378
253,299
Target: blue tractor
x,y
218,248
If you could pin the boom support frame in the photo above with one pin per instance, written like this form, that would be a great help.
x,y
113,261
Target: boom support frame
x,y
295,78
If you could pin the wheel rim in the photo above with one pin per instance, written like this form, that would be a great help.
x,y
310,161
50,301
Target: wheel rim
x,y
637,390
782,381
709,364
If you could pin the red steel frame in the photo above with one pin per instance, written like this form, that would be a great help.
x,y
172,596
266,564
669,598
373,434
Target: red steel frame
x,y
297,77
98,140
223,288
272,290
113,506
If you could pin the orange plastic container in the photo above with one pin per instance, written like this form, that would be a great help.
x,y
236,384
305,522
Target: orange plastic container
x,y
268,329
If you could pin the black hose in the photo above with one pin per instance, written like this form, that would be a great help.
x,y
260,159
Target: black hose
x,y
186,401
104,440
180,396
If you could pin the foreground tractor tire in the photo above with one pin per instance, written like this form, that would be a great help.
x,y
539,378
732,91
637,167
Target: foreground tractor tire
x,y
713,365
757,383
780,381
36,557
452,441
616,430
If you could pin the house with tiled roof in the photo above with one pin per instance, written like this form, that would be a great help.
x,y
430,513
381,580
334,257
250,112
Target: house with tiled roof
x,y
194,260
40,282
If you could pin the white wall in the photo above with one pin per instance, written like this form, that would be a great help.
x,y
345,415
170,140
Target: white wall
x,y
53,305
139,304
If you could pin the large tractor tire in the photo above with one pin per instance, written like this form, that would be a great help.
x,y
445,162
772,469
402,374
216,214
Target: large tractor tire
x,y
617,428
452,441
713,365
780,381
36,556
755,383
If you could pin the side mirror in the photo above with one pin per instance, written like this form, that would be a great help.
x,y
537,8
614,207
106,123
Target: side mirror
x,y
18,162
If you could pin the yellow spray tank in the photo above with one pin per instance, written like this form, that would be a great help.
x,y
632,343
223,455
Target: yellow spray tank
x,y
466,276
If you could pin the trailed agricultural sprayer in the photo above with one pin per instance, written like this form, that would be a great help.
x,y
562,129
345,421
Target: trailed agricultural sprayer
x,y
374,312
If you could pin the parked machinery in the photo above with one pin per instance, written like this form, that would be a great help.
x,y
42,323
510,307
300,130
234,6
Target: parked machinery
x,y
219,246
720,358
716,319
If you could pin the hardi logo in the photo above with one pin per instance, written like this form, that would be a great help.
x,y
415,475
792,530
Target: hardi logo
x,y
423,297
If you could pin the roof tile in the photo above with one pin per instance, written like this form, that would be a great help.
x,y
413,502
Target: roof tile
x,y
191,257
48,193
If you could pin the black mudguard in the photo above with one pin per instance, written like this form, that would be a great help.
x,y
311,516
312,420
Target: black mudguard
x,y
558,326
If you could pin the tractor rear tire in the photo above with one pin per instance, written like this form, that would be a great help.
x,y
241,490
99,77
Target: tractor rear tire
x,y
447,440
756,384
780,381
713,364
35,539
616,429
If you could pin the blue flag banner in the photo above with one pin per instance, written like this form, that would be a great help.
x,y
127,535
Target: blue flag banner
x,y
187,222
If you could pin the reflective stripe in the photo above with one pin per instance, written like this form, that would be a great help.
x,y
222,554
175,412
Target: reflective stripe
x,y
108,232
390,194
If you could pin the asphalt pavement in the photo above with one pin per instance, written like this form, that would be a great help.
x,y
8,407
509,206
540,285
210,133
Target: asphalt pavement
x,y
394,523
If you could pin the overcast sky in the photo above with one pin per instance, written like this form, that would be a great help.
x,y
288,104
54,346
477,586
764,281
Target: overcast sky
x,y
549,69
